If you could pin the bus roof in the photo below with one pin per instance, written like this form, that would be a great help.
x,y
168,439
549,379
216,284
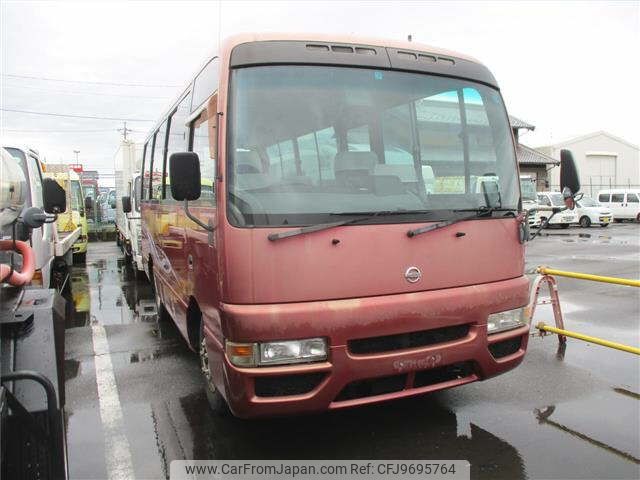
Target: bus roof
x,y
231,42
283,48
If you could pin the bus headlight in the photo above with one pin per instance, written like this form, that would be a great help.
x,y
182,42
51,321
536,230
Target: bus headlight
x,y
502,321
276,353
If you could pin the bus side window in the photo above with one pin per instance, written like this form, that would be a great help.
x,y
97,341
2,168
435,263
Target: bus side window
x,y
177,141
146,184
157,165
203,142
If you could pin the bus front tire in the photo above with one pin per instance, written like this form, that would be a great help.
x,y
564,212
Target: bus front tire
x,y
214,398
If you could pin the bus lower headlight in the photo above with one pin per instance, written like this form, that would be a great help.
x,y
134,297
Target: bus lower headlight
x,y
502,321
276,353
293,351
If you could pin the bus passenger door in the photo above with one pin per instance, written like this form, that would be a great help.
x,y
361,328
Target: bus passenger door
x,y
202,248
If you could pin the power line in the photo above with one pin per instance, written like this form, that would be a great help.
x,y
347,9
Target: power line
x,y
64,131
117,84
49,114
67,92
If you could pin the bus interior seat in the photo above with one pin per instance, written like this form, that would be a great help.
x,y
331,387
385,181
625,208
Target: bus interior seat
x,y
254,181
406,173
354,168
247,162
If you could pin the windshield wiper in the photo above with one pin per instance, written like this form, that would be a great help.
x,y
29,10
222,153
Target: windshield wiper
x,y
362,216
478,212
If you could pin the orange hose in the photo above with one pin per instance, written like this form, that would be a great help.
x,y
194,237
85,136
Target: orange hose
x,y
16,278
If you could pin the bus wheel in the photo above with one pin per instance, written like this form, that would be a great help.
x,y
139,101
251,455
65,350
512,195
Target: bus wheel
x,y
216,402
585,222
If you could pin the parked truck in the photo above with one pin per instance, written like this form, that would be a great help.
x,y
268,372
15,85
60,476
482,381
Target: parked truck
x,y
31,334
75,214
52,248
127,194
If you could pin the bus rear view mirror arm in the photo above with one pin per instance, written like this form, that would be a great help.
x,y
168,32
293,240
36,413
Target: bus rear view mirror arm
x,y
200,223
184,176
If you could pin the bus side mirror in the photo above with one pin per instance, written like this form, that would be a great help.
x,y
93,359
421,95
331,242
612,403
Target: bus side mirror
x,y
184,176
88,203
569,178
55,198
126,204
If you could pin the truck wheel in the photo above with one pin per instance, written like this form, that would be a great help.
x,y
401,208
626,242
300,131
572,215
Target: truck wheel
x,y
216,402
585,222
638,218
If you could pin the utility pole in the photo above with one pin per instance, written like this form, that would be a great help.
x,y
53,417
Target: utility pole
x,y
124,131
76,152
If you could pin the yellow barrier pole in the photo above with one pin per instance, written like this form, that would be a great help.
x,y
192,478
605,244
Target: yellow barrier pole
x,y
587,338
586,276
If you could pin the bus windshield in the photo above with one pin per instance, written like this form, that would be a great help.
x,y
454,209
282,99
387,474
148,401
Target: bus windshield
x,y
307,142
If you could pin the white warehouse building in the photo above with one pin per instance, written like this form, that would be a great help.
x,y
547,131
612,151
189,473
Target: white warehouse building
x,y
604,161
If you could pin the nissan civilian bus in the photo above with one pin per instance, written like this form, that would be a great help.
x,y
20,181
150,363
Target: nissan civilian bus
x,y
313,222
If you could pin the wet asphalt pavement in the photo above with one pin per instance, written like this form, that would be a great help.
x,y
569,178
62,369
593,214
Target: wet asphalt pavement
x,y
571,414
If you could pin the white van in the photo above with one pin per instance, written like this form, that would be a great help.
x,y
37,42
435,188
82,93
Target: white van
x,y
554,199
623,203
591,212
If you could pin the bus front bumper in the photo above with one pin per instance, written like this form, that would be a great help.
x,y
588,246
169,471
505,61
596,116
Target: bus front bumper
x,y
348,379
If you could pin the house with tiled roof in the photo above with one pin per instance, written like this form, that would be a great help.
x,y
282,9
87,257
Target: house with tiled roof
x,y
532,162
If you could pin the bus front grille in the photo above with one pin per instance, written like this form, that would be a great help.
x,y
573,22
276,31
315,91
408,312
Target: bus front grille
x,y
401,341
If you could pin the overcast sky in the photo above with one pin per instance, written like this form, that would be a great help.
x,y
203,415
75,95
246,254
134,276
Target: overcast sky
x,y
569,68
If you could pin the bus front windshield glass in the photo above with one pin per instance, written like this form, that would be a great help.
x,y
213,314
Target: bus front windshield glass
x,y
528,188
309,142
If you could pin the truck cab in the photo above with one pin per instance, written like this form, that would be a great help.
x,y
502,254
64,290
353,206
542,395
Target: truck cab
x,y
42,239
75,215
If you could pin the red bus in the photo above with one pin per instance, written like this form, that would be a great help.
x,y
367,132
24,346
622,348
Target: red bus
x,y
336,221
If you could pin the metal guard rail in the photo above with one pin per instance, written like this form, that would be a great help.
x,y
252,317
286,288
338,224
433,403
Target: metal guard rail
x,y
546,277
586,276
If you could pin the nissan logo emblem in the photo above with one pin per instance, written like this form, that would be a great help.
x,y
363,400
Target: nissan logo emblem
x,y
413,274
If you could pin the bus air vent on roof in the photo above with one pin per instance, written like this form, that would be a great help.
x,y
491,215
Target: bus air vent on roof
x,y
366,51
425,58
407,55
341,49
318,48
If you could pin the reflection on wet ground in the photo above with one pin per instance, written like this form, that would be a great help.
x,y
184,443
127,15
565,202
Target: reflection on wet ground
x,y
570,415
